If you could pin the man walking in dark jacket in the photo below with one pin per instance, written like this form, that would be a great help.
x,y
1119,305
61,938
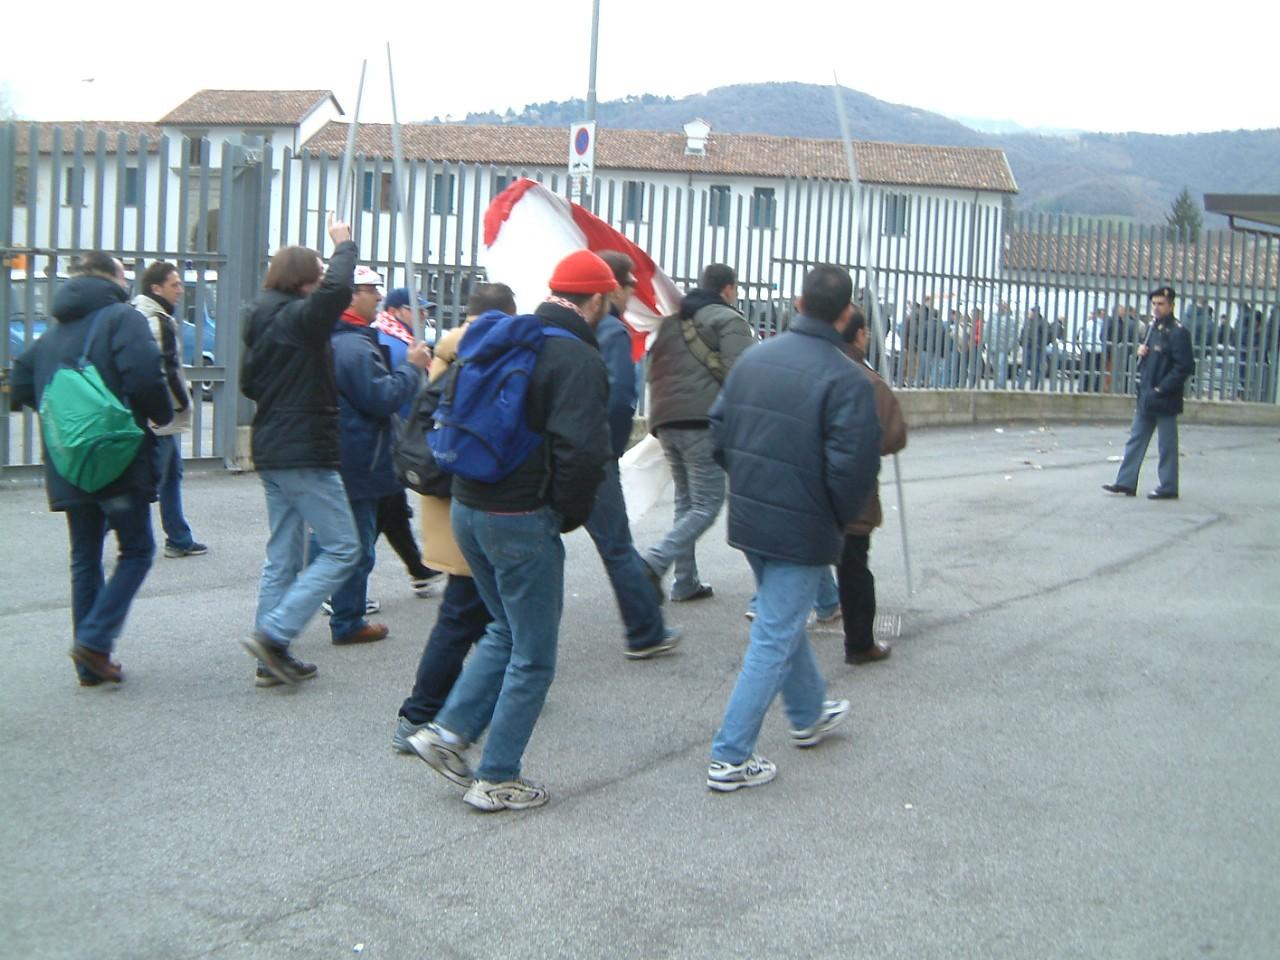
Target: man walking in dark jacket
x,y
796,429
126,357
369,393
610,530
691,355
287,369
1164,364
509,532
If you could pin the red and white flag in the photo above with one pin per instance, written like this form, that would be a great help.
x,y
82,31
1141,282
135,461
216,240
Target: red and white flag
x,y
528,229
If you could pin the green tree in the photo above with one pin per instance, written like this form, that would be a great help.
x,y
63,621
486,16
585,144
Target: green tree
x,y
1184,219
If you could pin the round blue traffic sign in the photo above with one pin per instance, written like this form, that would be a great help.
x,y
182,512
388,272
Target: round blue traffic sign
x,y
581,141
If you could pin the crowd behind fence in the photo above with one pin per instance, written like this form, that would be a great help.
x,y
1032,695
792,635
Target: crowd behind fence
x,y
972,294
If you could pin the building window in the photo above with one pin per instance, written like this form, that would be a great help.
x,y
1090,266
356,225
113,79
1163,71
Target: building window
x,y
500,183
73,187
130,186
384,193
194,141
763,207
20,186
442,190
718,207
895,208
632,201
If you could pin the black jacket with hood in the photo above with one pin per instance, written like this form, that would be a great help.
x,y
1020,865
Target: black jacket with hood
x,y
287,369
125,356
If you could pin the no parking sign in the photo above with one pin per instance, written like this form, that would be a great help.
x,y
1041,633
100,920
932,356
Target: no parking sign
x,y
582,154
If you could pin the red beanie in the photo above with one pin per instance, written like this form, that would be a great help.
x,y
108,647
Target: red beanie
x,y
582,272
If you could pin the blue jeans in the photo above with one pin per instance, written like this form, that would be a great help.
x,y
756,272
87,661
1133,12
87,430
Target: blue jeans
x,y
609,529
348,599
289,594
1135,451
517,562
699,495
99,606
460,624
778,659
169,469
828,601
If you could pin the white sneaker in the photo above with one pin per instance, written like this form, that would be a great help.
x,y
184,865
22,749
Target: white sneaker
x,y
489,797
445,758
832,715
756,771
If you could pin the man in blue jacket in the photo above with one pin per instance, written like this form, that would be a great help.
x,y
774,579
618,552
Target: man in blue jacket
x,y
647,635
1164,364
126,357
795,428
369,393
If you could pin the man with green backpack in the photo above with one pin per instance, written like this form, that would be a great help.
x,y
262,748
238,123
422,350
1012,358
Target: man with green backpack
x,y
96,378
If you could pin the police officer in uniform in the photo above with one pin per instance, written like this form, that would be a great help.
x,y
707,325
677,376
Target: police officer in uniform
x,y
1164,364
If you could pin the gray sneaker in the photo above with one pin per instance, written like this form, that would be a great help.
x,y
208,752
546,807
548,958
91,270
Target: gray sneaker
x,y
276,659
489,797
404,730
670,640
832,715
441,755
756,771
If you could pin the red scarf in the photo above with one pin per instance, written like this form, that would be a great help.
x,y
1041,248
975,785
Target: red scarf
x,y
353,318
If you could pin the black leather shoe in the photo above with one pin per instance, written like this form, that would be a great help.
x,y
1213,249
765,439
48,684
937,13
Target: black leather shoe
x,y
877,651
1116,488
1157,495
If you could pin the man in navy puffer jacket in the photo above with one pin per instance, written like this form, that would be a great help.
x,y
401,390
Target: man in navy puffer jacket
x,y
795,428
369,393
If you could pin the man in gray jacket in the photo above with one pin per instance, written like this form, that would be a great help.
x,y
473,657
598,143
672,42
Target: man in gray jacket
x,y
689,360
796,429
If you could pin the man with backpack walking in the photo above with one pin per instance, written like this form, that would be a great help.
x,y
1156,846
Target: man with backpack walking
x,y
98,330
691,355
509,525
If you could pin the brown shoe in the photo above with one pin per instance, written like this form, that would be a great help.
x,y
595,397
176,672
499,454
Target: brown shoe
x,y
98,665
369,633
877,651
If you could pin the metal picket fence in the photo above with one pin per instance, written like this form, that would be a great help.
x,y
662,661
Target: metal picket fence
x,y
974,295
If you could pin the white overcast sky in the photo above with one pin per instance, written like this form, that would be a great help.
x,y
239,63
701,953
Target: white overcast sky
x,y
1113,65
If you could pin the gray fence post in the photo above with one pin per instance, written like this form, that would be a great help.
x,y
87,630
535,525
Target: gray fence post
x,y
243,240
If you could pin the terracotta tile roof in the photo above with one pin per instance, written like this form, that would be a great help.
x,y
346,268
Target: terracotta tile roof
x,y
1145,258
968,168
112,128
236,108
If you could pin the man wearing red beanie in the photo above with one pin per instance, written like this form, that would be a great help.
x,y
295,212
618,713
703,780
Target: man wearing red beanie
x,y
509,533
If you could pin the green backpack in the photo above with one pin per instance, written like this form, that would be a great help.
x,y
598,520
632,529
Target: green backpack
x,y
90,436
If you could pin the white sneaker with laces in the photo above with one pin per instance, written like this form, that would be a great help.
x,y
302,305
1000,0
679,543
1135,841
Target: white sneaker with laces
x,y
755,771
832,715
445,758
489,797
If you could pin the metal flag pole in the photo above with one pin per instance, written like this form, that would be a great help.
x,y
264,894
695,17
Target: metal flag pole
x,y
406,227
348,155
873,288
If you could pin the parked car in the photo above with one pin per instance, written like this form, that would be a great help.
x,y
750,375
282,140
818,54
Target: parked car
x,y
19,337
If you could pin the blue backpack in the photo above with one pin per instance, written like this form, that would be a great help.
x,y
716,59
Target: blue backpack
x,y
482,430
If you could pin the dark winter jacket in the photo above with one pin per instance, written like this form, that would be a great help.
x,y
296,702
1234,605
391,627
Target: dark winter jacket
x,y
128,360
1165,368
568,394
369,394
287,369
795,428
615,349
681,389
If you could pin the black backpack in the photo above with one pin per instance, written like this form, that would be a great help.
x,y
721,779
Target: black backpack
x,y
414,463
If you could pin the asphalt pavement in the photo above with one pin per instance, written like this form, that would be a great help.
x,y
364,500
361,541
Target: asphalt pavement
x,y
1071,753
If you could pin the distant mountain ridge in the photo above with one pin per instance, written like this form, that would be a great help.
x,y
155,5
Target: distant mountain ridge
x,y
1133,175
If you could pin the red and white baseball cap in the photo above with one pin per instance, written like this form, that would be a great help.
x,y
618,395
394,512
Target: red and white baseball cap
x,y
366,277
